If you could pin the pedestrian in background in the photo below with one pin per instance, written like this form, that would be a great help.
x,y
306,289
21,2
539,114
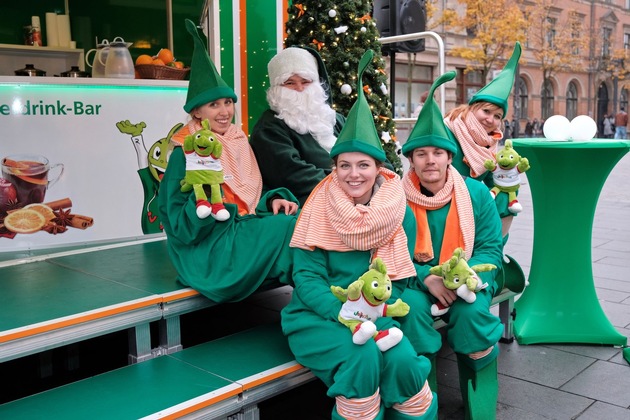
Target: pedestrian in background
x,y
621,121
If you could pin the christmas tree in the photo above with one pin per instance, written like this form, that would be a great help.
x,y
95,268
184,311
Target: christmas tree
x,y
341,32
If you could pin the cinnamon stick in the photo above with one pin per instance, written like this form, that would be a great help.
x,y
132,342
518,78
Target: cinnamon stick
x,y
80,222
64,203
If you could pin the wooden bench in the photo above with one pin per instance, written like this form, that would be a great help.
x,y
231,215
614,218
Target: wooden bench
x,y
214,379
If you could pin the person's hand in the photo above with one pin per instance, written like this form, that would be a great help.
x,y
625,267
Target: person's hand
x,y
436,287
278,204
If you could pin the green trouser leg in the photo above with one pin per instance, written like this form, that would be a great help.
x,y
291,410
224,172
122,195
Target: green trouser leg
x,y
430,414
479,388
335,415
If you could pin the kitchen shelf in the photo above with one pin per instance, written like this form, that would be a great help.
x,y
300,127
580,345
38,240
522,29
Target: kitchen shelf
x,y
53,60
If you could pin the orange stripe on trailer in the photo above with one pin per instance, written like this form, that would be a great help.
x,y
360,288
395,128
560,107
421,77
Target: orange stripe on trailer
x,y
243,54
203,404
272,376
79,320
285,17
180,295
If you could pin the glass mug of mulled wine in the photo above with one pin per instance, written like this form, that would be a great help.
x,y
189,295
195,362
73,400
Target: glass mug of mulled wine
x,y
31,175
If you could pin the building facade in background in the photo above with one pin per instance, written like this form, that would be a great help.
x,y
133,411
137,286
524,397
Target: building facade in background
x,y
600,87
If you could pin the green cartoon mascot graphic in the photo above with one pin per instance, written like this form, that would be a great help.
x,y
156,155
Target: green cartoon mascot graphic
x,y
151,167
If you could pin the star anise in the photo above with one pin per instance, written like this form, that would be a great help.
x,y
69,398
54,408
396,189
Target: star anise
x,y
13,204
54,228
62,217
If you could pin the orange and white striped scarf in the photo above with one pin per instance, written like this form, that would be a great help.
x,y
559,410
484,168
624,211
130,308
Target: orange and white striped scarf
x,y
477,145
330,220
243,182
459,231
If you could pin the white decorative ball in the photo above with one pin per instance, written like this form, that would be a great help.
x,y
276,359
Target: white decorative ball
x,y
346,89
556,128
583,128
332,13
363,29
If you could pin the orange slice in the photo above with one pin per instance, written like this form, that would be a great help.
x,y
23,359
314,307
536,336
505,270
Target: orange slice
x,y
24,221
42,209
32,180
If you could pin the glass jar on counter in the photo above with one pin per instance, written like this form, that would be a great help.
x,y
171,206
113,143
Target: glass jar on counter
x,y
28,35
32,35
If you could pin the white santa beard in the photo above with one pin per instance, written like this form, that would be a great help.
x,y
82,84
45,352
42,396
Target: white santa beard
x,y
305,112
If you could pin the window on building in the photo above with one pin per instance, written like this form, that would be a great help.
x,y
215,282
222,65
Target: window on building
x,y
623,98
551,31
468,83
626,41
606,35
546,97
523,104
572,101
409,87
576,26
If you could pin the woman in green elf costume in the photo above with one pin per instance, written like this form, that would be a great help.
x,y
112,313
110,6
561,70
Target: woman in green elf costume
x,y
354,215
476,129
224,260
452,212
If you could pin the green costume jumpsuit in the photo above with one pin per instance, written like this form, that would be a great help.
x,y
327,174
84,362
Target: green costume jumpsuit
x,y
470,326
324,345
229,260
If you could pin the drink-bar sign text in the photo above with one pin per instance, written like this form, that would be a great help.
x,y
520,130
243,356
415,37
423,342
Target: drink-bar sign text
x,y
37,108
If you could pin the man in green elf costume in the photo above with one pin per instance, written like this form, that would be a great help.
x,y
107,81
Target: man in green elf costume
x,y
292,139
452,211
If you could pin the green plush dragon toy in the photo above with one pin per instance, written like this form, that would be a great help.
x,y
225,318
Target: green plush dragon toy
x,y
506,174
364,302
459,276
203,168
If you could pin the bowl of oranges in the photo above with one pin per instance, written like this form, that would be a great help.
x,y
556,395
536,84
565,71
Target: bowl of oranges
x,y
160,66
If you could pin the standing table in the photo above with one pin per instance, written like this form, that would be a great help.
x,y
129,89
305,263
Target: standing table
x,y
560,304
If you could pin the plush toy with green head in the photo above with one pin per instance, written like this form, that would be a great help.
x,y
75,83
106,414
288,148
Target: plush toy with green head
x,y
459,276
506,172
203,169
364,302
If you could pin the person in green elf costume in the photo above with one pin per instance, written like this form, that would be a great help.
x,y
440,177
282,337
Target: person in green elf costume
x,y
354,215
476,129
292,139
227,260
452,211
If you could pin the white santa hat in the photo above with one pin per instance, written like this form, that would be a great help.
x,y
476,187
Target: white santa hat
x,y
292,61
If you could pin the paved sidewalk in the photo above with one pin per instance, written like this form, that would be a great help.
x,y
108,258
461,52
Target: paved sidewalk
x,y
565,382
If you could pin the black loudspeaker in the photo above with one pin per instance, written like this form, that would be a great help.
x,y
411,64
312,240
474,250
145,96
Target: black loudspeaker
x,y
400,17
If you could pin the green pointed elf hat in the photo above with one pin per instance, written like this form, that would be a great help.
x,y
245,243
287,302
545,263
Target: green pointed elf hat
x,y
430,129
205,85
498,90
359,133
